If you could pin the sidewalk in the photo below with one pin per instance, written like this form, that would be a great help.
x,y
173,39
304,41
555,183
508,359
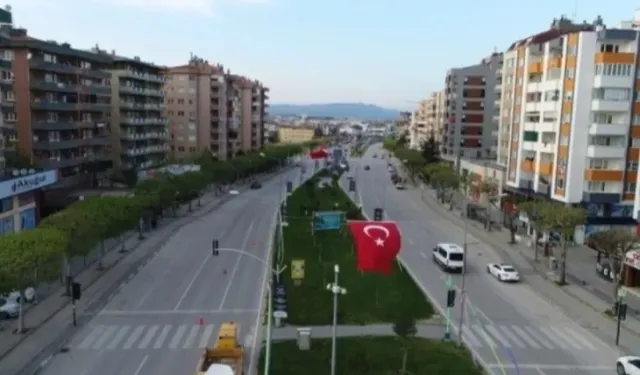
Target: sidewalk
x,y
425,330
49,321
571,298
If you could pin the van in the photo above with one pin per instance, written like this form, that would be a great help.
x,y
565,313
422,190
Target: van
x,y
449,257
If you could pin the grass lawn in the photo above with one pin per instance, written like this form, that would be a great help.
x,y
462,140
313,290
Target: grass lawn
x,y
371,355
370,297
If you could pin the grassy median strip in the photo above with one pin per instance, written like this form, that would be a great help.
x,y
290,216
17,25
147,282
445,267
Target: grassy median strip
x,y
370,297
371,355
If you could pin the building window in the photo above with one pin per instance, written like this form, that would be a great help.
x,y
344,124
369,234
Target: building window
x,y
630,187
28,219
560,183
632,165
25,199
6,205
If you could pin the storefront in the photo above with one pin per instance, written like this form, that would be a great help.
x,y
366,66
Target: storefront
x,y
19,206
631,273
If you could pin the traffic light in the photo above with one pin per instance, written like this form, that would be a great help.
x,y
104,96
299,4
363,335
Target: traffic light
x,y
451,297
377,214
352,185
76,291
215,245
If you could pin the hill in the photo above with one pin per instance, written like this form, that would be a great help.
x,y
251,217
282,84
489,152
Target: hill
x,y
338,110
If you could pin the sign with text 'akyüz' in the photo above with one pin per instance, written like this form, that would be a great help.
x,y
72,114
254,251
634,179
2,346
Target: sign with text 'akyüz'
x,y
25,184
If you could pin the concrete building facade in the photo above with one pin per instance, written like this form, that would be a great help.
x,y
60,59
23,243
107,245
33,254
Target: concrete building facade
x,y
469,129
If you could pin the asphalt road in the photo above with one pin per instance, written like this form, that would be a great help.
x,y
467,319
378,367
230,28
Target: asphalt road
x,y
508,326
173,307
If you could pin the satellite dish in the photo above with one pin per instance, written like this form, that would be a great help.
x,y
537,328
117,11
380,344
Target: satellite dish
x,y
23,171
32,171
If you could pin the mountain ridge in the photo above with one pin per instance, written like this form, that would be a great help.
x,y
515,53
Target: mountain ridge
x,y
362,111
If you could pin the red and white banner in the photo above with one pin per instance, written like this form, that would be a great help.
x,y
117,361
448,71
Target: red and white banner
x,y
377,244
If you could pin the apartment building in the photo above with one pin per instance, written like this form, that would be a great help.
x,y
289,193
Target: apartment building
x,y
140,137
6,56
428,120
57,102
570,107
210,109
469,129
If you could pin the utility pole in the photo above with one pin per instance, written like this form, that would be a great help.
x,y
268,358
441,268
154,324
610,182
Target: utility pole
x,y
451,298
464,268
336,290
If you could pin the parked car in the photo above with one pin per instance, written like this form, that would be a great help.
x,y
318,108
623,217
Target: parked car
x,y
256,185
366,167
629,365
10,303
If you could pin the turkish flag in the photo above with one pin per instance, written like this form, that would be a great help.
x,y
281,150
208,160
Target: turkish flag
x,y
377,244
319,153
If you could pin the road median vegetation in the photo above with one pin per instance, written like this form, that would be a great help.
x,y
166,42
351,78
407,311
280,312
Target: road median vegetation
x,y
370,297
373,355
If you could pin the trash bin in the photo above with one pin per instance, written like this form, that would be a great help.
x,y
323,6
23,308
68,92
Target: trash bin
x,y
553,263
304,338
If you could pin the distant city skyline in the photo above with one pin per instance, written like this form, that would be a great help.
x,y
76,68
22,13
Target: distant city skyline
x,y
310,51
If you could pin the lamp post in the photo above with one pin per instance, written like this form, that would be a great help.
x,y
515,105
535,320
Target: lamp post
x,y
336,289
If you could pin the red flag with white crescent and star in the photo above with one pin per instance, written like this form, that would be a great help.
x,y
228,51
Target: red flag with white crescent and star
x,y
319,153
377,244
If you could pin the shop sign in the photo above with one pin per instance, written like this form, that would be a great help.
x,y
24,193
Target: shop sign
x,y
24,184
632,258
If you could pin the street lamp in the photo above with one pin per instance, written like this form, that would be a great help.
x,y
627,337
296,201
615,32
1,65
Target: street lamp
x,y
336,289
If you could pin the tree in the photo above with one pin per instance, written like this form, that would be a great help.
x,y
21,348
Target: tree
x,y
564,219
614,244
532,209
82,231
446,182
512,202
430,150
29,259
405,328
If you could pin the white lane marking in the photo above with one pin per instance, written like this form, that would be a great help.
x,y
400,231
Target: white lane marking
x,y
94,334
193,280
235,266
148,336
177,336
553,338
536,366
425,256
540,371
106,335
162,337
468,336
122,332
494,332
191,338
576,336
561,334
483,335
134,336
144,360
525,337
206,334
511,336
539,338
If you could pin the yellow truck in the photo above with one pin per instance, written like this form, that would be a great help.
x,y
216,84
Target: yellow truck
x,y
225,358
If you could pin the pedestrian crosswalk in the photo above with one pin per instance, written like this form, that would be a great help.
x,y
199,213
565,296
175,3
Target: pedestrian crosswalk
x,y
526,337
140,337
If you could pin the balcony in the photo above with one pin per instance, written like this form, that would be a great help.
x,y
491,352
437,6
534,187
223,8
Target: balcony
x,y
545,168
608,129
62,125
53,86
146,150
95,107
54,106
603,175
615,58
135,121
96,89
610,105
67,69
130,105
606,152
142,76
71,143
64,162
130,136
535,67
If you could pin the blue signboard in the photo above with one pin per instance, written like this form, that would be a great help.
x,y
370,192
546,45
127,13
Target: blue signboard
x,y
327,220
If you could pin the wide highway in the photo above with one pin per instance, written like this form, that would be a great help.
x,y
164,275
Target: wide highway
x,y
506,325
173,307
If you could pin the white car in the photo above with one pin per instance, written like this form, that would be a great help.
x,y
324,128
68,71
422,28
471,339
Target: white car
x,y
628,365
400,186
503,272
10,303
